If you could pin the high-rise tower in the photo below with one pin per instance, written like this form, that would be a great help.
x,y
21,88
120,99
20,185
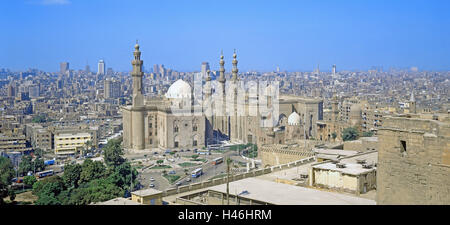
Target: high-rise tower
x,y
101,67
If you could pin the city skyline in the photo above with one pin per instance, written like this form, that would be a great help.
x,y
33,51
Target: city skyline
x,y
294,35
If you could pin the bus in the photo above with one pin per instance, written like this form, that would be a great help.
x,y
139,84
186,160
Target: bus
x,y
44,174
197,172
204,152
217,161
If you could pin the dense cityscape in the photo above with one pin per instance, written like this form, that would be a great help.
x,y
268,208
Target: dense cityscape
x,y
222,135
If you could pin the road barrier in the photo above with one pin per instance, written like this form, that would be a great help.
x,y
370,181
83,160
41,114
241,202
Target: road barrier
x,y
218,181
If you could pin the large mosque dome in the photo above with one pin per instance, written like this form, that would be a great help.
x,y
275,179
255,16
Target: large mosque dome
x,y
294,119
179,89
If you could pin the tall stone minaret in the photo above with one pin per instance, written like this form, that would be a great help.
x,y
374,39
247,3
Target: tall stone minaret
x,y
334,108
222,73
412,104
234,71
221,122
234,119
137,108
137,74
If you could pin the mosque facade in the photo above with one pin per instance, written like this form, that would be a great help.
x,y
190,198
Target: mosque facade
x,y
177,120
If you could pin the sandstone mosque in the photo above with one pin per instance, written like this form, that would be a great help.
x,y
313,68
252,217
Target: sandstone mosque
x,y
152,123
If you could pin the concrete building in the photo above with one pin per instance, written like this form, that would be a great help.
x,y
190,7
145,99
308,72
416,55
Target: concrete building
x,y
13,143
355,174
71,143
64,67
147,197
414,161
101,67
112,89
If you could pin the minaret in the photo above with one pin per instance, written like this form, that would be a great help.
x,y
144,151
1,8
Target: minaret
x,y
334,108
235,69
222,72
137,109
137,74
208,91
412,104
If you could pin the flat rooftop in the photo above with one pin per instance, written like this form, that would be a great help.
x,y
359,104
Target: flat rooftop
x,y
285,194
118,201
146,192
352,167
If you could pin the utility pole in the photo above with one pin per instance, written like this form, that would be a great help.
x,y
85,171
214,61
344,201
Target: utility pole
x,y
228,180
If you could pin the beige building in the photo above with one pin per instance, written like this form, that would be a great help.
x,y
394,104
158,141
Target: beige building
x,y
71,143
147,197
414,161
355,174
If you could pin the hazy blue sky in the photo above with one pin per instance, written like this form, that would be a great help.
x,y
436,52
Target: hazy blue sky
x,y
296,35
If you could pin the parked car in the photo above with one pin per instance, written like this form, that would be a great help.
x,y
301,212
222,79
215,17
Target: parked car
x,y
152,179
156,153
178,183
172,172
151,185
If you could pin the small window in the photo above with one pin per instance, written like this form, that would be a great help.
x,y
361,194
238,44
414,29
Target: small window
x,y
403,146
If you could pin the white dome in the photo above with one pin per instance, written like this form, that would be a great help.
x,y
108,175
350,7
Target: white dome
x,y
294,119
179,89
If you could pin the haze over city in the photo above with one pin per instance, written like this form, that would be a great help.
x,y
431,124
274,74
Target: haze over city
x,y
225,103
294,35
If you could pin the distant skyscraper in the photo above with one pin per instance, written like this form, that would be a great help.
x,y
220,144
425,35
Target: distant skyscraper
x,y
87,69
112,89
109,71
101,67
33,91
334,70
155,68
205,67
64,67
11,90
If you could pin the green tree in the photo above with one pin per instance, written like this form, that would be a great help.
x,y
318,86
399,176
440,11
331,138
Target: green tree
x,y
112,153
91,170
195,156
160,161
367,134
28,164
25,164
123,176
334,135
6,174
39,119
47,190
95,191
71,175
29,180
39,153
350,134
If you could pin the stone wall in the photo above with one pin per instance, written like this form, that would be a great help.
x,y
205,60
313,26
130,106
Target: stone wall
x,y
272,155
413,162
218,181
